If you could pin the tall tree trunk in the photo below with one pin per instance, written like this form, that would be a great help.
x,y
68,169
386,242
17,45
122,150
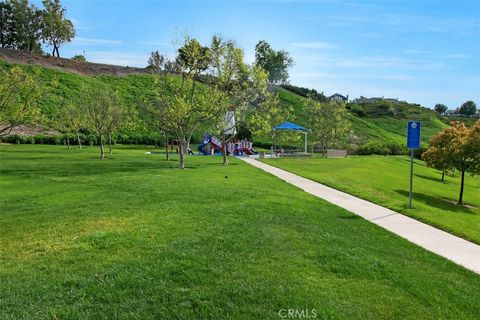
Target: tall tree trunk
x,y
110,143
166,150
182,148
224,148
443,175
460,198
102,151
79,141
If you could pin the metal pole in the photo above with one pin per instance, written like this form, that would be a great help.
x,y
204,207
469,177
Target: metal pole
x,y
411,180
306,141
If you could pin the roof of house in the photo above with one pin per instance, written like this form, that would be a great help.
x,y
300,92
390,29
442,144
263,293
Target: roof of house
x,y
337,95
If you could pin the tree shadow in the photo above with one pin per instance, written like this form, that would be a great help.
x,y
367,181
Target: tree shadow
x,y
437,202
429,178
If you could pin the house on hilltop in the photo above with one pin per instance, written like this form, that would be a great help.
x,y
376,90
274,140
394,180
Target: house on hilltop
x,y
337,97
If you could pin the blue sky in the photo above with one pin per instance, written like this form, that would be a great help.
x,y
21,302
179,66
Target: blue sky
x,y
420,51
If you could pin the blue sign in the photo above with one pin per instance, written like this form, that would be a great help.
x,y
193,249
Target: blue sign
x,y
413,135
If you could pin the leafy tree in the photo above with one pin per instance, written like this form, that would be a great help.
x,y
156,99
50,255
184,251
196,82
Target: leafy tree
x,y
440,108
7,30
181,109
101,105
72,118
468,108
276,63
328,122
180,106
56,28
19,94
267,114
456,147
156,61
20,26
244,86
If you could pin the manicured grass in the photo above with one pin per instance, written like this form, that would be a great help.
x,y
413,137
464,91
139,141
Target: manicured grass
x,y
385,180
131,237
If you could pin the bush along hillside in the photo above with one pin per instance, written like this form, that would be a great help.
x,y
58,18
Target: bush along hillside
x,y
377,128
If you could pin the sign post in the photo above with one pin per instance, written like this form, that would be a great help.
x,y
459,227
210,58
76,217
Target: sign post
x,y
413,142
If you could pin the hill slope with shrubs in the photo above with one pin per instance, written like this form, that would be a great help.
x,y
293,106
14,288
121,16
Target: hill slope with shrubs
x,y
377,127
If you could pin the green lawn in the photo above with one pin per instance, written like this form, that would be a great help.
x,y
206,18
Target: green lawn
x,y
131,237
385,180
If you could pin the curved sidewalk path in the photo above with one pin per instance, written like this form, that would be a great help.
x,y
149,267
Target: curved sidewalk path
x,y
456,249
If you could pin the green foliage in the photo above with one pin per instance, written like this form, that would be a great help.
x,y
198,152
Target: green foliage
x,y
357,109
276,63
156,61
328,123
19,92
305,92
79,58
468,108
20,26
440,108
370,148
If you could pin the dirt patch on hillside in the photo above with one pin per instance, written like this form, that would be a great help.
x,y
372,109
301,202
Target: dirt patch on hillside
x,y
85,68
31,130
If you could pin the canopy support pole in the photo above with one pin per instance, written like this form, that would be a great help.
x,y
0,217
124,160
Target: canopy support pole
x,y
306,133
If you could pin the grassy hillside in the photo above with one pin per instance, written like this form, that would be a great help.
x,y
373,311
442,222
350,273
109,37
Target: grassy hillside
x,y
382,122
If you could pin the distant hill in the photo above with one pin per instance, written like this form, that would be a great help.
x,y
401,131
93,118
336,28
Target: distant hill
x,y
382,122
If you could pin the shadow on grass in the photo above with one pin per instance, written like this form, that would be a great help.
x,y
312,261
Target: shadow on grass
x,y
430,178
436,202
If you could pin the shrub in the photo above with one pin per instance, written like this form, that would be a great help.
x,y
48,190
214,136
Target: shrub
x,y
373,148
358,110
396,148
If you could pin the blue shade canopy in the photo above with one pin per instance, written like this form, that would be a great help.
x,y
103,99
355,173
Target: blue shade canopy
x,y
289,126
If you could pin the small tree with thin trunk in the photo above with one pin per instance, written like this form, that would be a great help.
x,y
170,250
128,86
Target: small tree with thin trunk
x,y
116,120
244,85
101,104
456,147
328,122
72,118
156,61
182,109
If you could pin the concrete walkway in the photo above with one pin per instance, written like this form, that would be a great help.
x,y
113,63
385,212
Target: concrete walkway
x,y
456,249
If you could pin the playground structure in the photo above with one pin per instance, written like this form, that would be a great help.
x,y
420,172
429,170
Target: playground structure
x,y
213,146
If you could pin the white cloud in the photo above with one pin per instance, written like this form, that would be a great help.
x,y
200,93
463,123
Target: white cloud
x,y
314,45
365,76
93,41
118,58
